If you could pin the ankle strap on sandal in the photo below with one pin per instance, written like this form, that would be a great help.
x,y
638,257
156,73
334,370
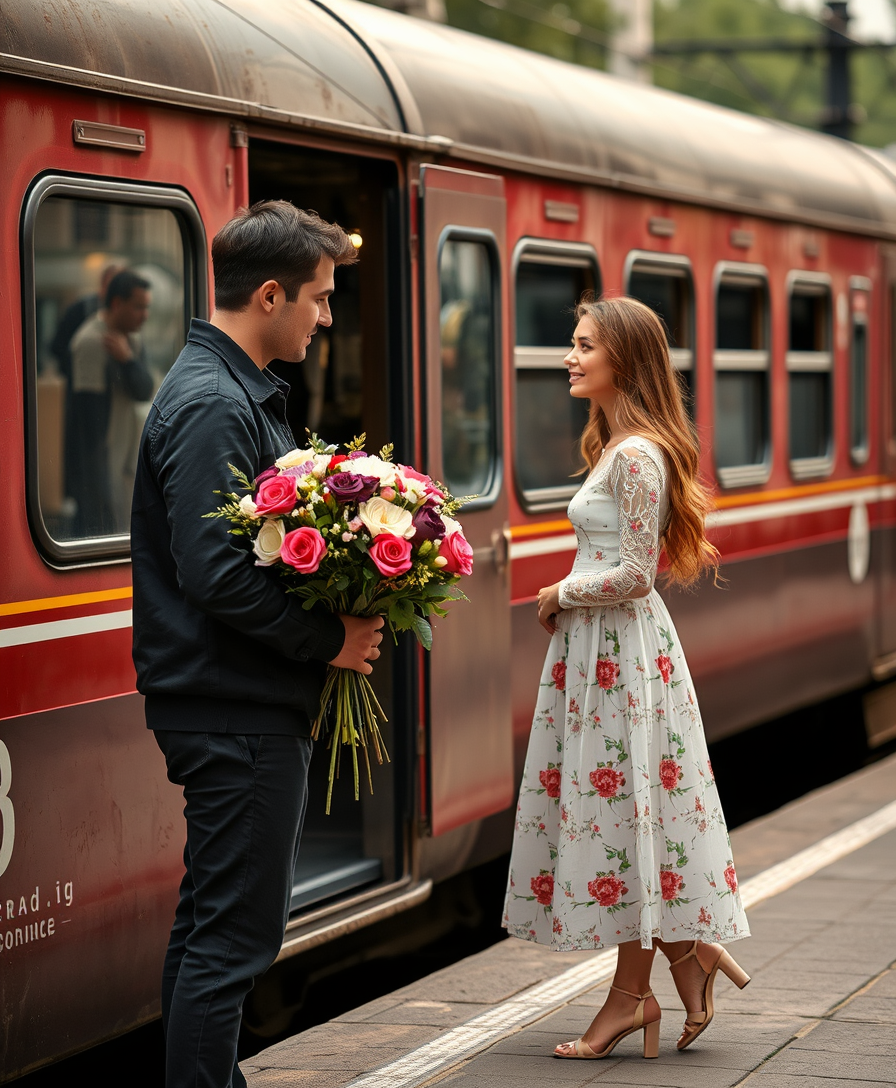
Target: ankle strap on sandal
x,y
692,951
641,999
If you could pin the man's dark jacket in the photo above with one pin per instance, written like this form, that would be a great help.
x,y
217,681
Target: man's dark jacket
x,y
219,646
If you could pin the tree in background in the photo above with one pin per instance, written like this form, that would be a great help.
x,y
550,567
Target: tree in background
x,y
789,86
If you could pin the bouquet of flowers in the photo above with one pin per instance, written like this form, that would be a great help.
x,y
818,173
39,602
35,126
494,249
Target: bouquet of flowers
x,y
365,537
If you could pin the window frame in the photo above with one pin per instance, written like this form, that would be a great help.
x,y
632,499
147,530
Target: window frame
x,y
533,250
812,362
677,266
859,455
453,233
740,361
107,549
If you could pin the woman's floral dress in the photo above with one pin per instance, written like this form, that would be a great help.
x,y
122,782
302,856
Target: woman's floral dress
x,y
619,834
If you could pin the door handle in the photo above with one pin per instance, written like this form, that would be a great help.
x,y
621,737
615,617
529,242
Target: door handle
x,y
501,549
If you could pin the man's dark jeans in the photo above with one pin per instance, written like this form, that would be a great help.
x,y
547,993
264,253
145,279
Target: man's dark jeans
x,y
245,802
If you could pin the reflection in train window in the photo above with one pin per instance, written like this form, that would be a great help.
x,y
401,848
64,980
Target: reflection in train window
x,y
667,287
111,312
741,362
858,379
810,372
549,422
469,366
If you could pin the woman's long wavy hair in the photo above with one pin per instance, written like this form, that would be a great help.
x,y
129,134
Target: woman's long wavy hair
x,y
649,403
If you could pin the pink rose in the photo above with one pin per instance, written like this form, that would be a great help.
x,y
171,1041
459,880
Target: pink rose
x,y
670,773
543,888
606,891
607,781
558,675
671,884
276,495
607,673
391,554
731,878
664,664
550,779
457,553
303,549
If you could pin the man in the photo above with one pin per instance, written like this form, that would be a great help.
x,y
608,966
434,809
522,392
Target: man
x,y
231,666
108,374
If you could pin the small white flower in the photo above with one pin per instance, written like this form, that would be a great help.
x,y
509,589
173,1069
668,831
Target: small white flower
x,y
439,561
268,542
248,507
451,526
347,537
374,466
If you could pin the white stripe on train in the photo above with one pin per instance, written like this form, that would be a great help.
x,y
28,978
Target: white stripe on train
x,y
738,515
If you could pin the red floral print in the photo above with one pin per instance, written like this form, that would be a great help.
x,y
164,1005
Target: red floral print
x,y
550,779
558,675
606,891
607,781
670,773
557,926
671,883
731,878
664,664
543,888
704,917
607,672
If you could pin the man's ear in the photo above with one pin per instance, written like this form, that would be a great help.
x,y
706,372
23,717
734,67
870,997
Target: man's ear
x,y
267,295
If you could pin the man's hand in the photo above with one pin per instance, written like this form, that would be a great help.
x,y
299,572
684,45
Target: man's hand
x,y
361,646
118,346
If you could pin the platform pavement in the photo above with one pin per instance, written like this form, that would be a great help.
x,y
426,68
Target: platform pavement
x,y
819,1013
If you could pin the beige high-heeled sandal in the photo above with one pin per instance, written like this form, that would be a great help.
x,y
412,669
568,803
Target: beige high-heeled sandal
x,y
698,1022
651,1033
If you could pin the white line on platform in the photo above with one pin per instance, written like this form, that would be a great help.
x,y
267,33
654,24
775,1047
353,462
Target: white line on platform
x,y
475,1035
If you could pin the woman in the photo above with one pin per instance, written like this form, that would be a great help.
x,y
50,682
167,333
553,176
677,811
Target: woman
x,y
620,838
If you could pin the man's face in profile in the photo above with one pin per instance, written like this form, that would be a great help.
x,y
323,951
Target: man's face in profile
x,y
129,315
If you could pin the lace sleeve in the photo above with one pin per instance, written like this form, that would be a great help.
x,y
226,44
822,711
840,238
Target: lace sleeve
x,y
637,482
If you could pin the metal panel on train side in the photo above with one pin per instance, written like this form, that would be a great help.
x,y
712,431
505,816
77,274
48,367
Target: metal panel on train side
x,y
470,731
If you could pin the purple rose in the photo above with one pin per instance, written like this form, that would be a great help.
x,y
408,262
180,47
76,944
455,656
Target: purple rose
x,y
428,524
351,487
266,475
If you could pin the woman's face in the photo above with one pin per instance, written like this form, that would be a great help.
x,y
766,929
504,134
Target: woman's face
x,y
590,374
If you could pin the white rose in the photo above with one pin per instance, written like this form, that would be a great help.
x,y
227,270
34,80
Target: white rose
x,y
293,458
268,542
384,517
373,466
248,507
321,461
413,490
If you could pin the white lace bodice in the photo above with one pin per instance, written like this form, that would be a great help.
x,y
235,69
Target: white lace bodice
x,y
618,515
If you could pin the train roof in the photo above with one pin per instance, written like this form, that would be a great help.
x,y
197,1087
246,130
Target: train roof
x,y
355,68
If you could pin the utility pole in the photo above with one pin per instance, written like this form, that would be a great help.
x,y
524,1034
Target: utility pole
x,y
837,118
632,38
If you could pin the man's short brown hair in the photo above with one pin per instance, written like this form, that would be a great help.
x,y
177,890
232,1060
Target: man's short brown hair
x,y
273,240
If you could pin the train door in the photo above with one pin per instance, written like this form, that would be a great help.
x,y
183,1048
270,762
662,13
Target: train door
x,y
884,420
341,390
469,711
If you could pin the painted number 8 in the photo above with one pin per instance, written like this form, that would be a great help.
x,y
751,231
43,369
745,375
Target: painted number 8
x,y
7,816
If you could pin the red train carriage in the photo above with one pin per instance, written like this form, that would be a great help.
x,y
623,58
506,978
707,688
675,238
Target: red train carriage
x,y
489,187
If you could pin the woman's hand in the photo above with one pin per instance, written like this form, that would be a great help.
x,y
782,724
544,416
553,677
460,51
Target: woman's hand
x,y
548,607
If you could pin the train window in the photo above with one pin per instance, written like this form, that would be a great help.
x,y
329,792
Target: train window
x,y
548,421
469,355
858,379
810,366
110,292
741,361
550,279
665,284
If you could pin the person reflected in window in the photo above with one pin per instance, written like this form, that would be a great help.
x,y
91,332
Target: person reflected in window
x,y
74,316
108,375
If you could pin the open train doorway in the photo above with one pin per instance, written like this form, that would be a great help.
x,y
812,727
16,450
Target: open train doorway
x,y
350,383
